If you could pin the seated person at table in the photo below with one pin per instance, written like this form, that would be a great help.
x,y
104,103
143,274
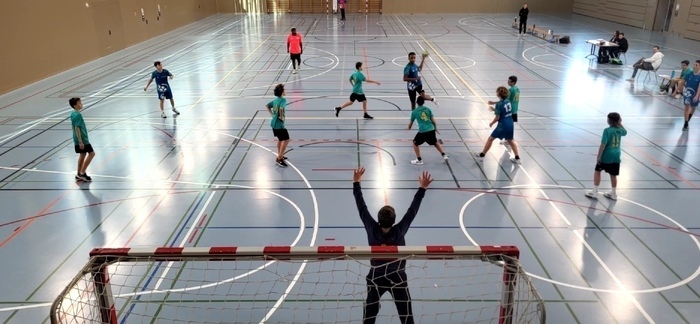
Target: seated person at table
x,y
604,50
622,48
648,64
675,86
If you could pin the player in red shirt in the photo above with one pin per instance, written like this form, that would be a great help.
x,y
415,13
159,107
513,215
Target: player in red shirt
x,y
295,49
341,6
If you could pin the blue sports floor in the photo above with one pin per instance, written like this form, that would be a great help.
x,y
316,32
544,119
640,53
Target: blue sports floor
x,y
208,177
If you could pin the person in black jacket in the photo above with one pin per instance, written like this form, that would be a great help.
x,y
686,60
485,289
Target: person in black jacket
x,y
623,45
388,275
604,51
524,11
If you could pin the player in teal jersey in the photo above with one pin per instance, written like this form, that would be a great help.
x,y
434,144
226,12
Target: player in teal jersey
x,y
276,108
609,156
80,139
675,85
356,80
426,130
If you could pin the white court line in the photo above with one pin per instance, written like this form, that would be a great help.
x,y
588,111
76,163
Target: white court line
x,y
591,289
589,248
404,26
578,235
143,69
281,299
194,225
431,59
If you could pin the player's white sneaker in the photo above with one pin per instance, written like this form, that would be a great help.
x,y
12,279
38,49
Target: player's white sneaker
x,y
417,162
610,195
175,111
592,194
162,114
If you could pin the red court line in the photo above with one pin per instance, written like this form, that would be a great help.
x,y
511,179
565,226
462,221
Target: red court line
x,y
80,75
31,220
196,230
664,166
55,212
51,204
150,214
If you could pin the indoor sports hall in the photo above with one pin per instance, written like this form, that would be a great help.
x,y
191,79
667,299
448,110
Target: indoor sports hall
x,y
210,177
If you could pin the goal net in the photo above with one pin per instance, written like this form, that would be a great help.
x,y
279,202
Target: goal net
x,y
276,284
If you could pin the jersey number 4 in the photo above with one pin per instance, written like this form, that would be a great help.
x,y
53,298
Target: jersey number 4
x,y
424,116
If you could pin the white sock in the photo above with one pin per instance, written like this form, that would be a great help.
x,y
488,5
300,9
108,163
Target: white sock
x,y
595,189
614,191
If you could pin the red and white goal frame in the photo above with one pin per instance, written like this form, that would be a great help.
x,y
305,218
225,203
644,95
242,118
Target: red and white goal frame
x,y
96,295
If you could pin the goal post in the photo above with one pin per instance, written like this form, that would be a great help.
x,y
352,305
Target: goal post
x,y
286,284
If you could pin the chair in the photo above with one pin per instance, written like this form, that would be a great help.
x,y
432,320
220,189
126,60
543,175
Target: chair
x,y
648,76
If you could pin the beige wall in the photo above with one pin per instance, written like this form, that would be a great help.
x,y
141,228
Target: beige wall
x,y
688,19
641,13
241,6
41,38
486,6
637,13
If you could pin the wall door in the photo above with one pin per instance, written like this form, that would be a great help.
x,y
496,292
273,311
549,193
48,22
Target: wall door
x,y
663,15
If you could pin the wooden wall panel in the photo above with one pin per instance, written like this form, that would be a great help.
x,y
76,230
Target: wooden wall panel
x,y
637,13
41,38
473,6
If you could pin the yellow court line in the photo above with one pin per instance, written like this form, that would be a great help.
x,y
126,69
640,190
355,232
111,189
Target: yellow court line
x,y
453,71
227,75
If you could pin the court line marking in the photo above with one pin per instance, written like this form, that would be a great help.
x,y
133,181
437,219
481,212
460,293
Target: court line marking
x,y
591,289
56,112
431,59
186,237
141,70
227,74
292,283
559,212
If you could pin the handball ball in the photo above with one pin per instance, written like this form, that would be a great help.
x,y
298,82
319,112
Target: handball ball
x,y
425,53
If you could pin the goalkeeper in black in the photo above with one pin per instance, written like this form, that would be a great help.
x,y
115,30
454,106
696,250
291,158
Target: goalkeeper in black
x,y
388,275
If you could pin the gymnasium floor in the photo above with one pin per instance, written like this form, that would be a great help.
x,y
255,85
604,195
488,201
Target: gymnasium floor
x,y
208,177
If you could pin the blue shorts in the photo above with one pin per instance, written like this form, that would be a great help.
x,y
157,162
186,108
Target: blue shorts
x,y
688,101
501,132
164,92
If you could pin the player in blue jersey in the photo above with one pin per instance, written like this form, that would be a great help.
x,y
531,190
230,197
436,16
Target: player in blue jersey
x,y
356,80
413,80
609,156
513,98
161,76
388,275
504,129
691,93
